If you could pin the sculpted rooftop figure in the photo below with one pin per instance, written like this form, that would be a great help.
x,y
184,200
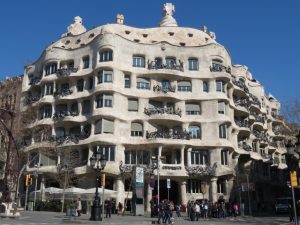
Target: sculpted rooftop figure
x,y
168,20
75,28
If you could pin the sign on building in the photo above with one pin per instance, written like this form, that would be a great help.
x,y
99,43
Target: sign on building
x,y
168,183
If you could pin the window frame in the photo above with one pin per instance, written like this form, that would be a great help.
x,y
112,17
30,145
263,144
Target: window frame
x,y
138,61
223,131
193,64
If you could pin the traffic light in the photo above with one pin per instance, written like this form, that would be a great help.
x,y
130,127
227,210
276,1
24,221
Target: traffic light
x,y
28,180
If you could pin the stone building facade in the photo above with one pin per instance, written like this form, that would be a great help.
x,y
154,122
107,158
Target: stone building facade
x,y
169,91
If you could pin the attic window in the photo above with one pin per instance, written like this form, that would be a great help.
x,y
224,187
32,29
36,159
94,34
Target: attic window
x,y
82,45
63,46
171,33
190,35
67,42
91,35
182,43
78,41
136,40
145,35
206,39
154,41
127,32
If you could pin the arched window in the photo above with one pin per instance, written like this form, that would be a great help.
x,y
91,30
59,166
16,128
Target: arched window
x,y
139,157
224,157
199,157
223,131
86,62
136,129
192,108
193,64
106,55
205,86
138,61
195,132
60,132
46,111
105,76
143,83
50,68
184,85
104,126
220,86
80,85
217,65
221,186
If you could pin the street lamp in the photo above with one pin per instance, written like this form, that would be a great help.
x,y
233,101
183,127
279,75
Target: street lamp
x,y
98,162
292,163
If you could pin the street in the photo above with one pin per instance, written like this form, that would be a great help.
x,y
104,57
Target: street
x,y
45,218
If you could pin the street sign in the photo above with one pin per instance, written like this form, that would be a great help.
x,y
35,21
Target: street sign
x,y
293,176
168,183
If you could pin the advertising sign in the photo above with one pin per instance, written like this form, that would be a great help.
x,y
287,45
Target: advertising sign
x,y
168,183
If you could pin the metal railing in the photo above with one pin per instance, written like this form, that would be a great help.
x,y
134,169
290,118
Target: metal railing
x,y
163,110
153,65
169,134
61,72
164,89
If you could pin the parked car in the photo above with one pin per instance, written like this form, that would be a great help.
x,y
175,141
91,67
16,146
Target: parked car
x,y
282,204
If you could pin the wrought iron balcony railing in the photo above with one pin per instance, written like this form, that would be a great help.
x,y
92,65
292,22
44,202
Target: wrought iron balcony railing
x,y
241,85
164,89
260,135
63,92
66,71
62,114
242,102
162,110
31,99
244,145
255,100
219,68
75,138
242,123
201,170
153,65
169,134
128,168
34,80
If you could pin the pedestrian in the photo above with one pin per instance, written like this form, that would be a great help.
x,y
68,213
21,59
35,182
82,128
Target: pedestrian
x,y
291,212
120,208
197,211
235,209
178,207
108,209
160,212
78,207
205,207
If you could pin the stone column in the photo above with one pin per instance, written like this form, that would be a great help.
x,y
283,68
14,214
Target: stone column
x,y
213,189
93,128
182,192
149,197
120,188
42,189
229,187
79,107
90,155
189,161
182,156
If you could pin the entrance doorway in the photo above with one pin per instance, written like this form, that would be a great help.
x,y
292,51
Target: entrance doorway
x,y
163,191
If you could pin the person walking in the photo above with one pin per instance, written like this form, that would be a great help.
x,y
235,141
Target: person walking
x,y
178,207
108,209
78,207
197,211
120,208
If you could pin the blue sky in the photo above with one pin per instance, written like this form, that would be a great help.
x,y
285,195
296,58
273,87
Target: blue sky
x,y
261,34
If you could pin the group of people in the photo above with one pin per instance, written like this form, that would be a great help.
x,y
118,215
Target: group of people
x,y
206,209
195,210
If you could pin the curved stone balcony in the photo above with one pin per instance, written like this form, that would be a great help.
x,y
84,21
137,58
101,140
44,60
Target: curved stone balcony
x,y
201,170
241,85
62,93
219,68
59,115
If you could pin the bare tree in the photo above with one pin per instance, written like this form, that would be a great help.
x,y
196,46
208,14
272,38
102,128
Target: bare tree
x,y
291,112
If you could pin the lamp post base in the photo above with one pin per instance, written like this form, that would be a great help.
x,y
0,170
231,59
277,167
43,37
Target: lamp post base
x,y
96,211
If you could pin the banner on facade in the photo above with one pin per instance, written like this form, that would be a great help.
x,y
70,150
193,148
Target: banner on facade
x,y
169,183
